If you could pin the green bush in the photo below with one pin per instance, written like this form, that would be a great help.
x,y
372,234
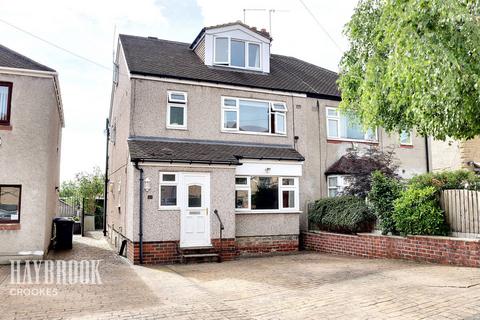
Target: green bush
x,y
459,179
345,214
418,211
384,192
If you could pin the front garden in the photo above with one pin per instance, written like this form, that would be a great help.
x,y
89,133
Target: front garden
x,y
405,216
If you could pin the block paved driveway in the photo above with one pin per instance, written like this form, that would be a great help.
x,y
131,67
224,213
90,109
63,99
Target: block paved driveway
x,y
301,286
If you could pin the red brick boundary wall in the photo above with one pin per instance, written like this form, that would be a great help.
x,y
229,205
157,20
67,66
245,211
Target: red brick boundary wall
x,y
444,250
267,244
167,252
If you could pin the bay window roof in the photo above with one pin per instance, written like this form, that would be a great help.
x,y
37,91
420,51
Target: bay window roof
x,y
211,152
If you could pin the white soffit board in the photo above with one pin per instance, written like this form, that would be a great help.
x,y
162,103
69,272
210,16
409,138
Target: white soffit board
x,y
264,168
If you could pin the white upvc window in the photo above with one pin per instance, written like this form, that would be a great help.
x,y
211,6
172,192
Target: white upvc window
x,y
336,184
237,53
177,110
253,116
168,191
406,138
266,193
340,127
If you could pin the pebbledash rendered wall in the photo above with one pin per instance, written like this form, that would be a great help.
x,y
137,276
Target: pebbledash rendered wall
x,y
443,250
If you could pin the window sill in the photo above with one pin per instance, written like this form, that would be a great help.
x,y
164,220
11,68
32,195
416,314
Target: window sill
x,y
255,133
9,226
5,127
169,209
406,146
332,140
177,128
253,212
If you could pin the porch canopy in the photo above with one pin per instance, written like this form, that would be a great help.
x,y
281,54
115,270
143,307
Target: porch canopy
x,y
146,149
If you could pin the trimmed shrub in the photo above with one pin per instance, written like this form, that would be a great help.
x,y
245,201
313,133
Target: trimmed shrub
x,y
385,191
418,211
459,179
345,214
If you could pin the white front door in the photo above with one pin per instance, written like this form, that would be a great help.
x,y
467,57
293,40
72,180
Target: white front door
x,y
195,206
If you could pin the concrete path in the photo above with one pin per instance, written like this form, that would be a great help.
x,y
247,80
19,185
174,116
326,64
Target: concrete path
x,y
302,286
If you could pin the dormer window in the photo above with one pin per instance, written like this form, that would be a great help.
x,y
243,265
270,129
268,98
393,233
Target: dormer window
x,y
237,53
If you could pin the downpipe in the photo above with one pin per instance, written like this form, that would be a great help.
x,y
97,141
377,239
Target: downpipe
x,y
140,222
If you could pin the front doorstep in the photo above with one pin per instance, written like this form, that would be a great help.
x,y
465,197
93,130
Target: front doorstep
x,y
170,252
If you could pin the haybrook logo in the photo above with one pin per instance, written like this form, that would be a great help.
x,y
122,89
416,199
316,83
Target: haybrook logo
x,y
58,272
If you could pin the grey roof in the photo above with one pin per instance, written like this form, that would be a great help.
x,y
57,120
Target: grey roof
x,y
12,59
213,152
163,58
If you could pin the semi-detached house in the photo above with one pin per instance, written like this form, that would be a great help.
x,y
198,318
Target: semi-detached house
x,y
220,132
31,122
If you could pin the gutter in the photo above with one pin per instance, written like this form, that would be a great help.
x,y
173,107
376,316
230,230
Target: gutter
x,y
427,154
140,221
105,188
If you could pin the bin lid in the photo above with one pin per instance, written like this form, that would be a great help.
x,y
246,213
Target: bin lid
x,y
62,220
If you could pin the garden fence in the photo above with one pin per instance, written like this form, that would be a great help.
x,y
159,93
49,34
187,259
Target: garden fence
x,y
462,211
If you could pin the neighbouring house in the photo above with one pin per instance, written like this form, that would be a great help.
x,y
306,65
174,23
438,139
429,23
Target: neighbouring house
x,y
221,125
456,154
31,121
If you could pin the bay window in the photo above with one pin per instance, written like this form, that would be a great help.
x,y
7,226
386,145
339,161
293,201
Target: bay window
x,y
236,53
270,193
5,102
256,116
339,126
10,199
177,110
168,190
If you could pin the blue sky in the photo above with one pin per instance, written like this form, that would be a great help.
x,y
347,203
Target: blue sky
x,y
87,28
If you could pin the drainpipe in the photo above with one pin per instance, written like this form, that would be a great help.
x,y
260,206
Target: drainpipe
x,y
105,187
427,154
140,221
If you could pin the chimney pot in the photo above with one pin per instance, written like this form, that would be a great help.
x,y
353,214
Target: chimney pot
x,y
264,30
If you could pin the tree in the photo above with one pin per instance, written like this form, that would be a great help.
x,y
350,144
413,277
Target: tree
x,y
414,64
85,185
373,159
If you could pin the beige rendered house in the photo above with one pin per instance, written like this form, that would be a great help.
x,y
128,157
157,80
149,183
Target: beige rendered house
x,y
454,154
222,126
31,121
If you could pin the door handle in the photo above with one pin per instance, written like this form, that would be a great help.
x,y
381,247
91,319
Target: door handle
x,y
206,211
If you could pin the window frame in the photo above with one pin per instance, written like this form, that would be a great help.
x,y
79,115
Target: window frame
x,y
228,63
271,112
19,186
167,183
295,188
410,136
221,63
341,184
9,85
244,187
337,118
177,104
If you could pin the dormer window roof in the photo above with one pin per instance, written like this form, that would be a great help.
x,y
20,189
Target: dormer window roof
x,y
234,45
